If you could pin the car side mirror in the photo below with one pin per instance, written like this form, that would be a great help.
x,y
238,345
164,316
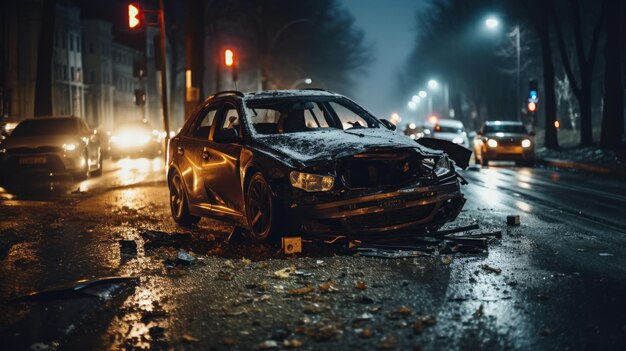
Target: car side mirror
x,y
227,136
388,124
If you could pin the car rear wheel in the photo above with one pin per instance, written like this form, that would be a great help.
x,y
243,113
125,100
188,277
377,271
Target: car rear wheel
x,y
260,208
178,202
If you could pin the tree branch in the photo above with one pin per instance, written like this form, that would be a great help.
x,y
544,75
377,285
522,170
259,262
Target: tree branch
x,y
563,52
595,39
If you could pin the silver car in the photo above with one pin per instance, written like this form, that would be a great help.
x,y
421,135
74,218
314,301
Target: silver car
x,y
52,145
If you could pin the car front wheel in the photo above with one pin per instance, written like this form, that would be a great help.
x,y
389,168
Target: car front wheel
x,y
178,202
260,208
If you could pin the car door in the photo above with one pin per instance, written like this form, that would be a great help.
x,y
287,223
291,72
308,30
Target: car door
x,y
222,178
190,153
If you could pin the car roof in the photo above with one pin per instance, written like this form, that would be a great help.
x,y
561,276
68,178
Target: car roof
x,y
273,94
505,123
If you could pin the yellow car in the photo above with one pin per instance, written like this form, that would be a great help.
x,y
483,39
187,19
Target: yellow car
x,y
504,141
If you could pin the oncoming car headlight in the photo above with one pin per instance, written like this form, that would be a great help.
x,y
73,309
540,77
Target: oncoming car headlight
x,y
69,147
492,143
443,166
526,143
311,182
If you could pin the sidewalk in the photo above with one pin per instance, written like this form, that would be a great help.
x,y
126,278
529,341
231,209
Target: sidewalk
x,y
586,159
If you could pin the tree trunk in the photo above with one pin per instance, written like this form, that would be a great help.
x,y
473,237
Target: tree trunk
x,y
613,111
551,139
584,104
43,83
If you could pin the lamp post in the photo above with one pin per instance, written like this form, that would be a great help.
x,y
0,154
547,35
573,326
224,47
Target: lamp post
x,y
492,23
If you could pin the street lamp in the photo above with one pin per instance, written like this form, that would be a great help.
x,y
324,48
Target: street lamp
x,y
307,81
433,84
422,94
492,23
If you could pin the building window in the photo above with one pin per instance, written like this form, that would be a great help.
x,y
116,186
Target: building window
x,y
64,72
71,42
91,47
64,41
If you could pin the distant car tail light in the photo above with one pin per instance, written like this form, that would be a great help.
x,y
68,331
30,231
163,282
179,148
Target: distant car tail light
x,y
311,182
492,143
526,143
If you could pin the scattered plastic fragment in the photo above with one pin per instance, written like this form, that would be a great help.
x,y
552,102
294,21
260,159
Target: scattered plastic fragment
x,y
490,269
513,220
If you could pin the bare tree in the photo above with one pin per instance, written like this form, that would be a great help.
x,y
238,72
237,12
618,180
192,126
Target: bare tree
x,y
585,60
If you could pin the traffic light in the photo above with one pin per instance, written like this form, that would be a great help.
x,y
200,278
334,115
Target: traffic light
x,y
229,58
532,107
533,95
133,16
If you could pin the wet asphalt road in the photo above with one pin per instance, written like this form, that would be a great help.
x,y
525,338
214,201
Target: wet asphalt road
x,y
558,281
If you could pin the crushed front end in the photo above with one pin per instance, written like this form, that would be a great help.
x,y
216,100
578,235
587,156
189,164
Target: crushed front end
x,y
379,191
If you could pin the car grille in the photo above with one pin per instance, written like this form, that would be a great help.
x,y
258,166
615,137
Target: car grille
x,y
381,169
509,142
34,150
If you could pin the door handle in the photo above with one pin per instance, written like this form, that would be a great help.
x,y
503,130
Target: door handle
x,y
180,150
205,154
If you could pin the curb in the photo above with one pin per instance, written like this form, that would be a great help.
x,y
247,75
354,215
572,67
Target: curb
x,y
591,168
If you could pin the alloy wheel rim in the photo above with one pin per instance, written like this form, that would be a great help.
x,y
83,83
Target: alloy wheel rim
x,y
176,196
259,208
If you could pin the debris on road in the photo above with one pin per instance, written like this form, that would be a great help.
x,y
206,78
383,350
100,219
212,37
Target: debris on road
x,y
360,285
328,287
78,288
184,258
490,269
292,245
128,247
301,291
605,254
513,220
422,322
285,272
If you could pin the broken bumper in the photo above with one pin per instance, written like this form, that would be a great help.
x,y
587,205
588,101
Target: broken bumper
x,y
399,210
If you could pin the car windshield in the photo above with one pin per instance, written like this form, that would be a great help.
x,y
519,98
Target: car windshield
x,y
505,128
304,114
49,126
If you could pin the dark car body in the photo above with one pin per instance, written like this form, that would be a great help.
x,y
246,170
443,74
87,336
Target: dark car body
x,y
381,181
51,145
504,141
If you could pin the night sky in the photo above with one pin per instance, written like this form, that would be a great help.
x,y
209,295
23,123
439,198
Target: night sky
x,y
390,26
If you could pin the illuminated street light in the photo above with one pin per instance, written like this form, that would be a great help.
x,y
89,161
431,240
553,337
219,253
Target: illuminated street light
x,y
433,84
416,99
412,105
308,81
492,23
422,94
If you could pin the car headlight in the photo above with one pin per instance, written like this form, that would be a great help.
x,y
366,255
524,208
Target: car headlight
x,y
526,143
442,166
69,147
457,140
492,143
311,182
3,150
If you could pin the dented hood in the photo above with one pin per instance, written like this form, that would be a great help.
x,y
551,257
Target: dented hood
x,y
330,144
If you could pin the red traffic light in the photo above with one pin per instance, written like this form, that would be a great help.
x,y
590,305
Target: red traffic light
x,y
229,57
532,107
133,16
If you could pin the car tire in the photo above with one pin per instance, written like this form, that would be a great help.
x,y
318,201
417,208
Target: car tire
x,y
83,173
98,172
261,209
178,202
484,161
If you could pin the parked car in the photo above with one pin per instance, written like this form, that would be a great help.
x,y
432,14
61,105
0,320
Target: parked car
x,y
504,141
52,145
447,129
134,138
305,162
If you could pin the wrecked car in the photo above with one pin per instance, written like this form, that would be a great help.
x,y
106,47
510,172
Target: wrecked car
x,y
306,162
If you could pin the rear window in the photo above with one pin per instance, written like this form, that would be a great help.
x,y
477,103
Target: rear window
x,y
505,128
36,127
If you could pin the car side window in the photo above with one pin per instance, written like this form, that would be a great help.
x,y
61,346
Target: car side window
x,y
202,127
230,120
